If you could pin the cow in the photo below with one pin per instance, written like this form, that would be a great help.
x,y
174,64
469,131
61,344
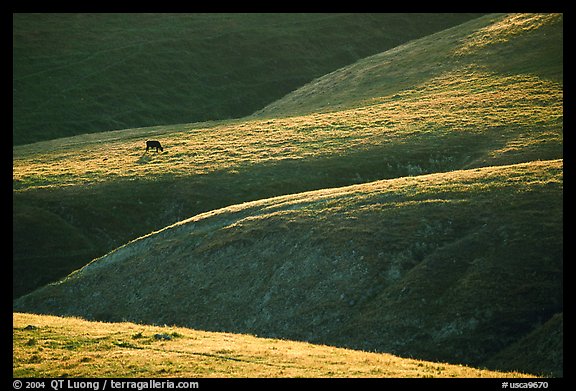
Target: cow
x,y
154,144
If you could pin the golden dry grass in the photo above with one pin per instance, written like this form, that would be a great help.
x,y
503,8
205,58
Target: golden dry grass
x,y
506,29
73,347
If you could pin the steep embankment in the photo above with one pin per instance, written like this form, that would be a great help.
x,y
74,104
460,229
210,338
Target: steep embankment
x,y
452,267
494,96
83,73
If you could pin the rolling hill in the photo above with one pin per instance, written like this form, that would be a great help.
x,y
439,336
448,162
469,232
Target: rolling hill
x,y
410,203
92,72
96,349
78,198
490,47
448,267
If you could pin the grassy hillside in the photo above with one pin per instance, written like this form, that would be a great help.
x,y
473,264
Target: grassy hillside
x,y
81,73
540,351
497,45
449,267
78,198
447,246
95,349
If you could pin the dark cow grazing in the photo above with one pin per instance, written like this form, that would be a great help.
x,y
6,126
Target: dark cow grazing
x,y
154,144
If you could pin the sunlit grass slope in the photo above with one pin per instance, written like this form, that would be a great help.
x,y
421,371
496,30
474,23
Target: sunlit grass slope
x,y
501,45
80,73
54,347
464,118
489,103
454,267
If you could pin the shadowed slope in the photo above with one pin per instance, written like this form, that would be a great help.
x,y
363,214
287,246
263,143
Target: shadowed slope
x,y
84,73
453,267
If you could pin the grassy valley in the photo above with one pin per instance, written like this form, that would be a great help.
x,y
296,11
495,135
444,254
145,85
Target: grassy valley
x,y
409,203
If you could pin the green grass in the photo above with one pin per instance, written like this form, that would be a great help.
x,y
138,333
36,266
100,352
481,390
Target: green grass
x,y
81,73
96,349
